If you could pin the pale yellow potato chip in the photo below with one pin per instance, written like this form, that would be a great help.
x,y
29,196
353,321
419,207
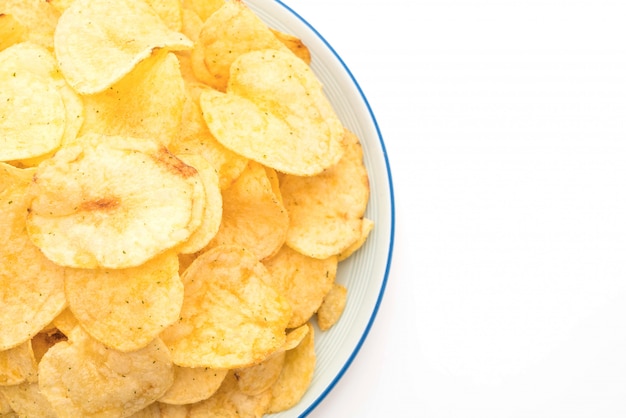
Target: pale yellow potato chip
x,y
97,42
332,307
193,384
126,309
296,375
231,402
303,280
146,103
203,8
170,12
27,400
113,202
11,31
283,118
230,317
326,211
83,378
256,379
18,364
37,18
253,216
212,216
294,44
228,32
367,225
31,286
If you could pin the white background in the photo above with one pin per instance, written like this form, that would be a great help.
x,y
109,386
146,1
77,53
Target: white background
x,y
505,127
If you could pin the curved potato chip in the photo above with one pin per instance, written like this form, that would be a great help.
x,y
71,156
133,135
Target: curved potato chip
x,y
366,227
253,216
27,400
37,19
150,411
294,44
193,384
83,378
131,107
126,309
332,307
113,202
11,30
296,375
230,317
303,280
256,379
326,211
97,42
284,120
173,411
31,286
18,365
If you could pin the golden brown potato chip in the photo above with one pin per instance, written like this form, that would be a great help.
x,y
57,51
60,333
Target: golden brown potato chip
x,y
11,31
294,44
230,317
253,217
326,211
97,42
303,280
113,202
230,402
193,384
212,216
284,120
146,103
332,307
366,227
31,286
295,337
27,401
83,378
126,309
26,144
17,365
228,32
296,375
36,18
256,379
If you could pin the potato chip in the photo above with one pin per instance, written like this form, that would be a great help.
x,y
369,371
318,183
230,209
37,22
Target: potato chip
x,y
256,379
65,322
113,202
45,339
18,365
173,411
170,12
83,378
131,108
36,18
228,32
193,384
126,309
294,44
5,409
296,375
230,402
230,316
97,42
295,337
253,216
27,400
35,59
303,280
284,120
366,227
150,411
212,216
326,211
31,286
11,31
203,8
332,307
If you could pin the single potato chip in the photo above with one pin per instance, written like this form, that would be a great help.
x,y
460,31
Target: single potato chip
x,y
27,401
294,44
126,309
18,365
253,217
131,107
97,42
256,379
193,384
296,375
332,307
326,211
31,286
230,317
284,120
366,227
113,202
83,378
303,280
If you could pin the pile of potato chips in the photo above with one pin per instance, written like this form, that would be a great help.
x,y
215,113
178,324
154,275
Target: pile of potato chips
x,y
176,193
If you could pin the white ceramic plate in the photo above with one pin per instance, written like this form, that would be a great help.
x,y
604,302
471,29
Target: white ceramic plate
x,y
365,273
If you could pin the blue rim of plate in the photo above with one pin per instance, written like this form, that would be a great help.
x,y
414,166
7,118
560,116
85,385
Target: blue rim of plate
x,y
312,405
